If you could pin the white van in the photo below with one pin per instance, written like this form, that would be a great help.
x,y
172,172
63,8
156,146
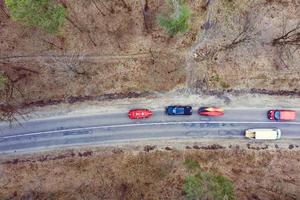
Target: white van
x,y
263,133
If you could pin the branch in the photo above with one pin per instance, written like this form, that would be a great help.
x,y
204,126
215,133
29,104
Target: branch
x,y
2,9
145,8
98,8
126,5
243,36
82,30
52,44
292,37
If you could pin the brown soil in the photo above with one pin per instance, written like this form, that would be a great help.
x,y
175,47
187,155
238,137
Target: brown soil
x,y
258,172
109,51
239,51
110,47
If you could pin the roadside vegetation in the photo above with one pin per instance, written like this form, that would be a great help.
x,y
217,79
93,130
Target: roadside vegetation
x,y
3,81
202,185
191,165
205,185
177,20
233,172
8,111
45,14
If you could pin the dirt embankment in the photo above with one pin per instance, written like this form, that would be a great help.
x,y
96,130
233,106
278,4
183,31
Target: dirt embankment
x,y
257,172
117,47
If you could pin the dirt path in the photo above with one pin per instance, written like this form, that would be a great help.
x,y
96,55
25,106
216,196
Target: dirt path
x,y
202,39
91,57
88,56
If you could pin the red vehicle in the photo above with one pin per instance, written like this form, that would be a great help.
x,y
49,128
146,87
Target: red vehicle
x,y
139,113
211,111
284,115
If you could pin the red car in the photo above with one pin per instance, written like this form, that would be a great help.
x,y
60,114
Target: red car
x,y
211,111
139,113
284,115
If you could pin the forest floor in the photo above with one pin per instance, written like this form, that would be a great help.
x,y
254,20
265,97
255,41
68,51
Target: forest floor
x,y
110,49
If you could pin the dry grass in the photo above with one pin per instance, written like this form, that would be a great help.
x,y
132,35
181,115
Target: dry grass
x,y
115,52
239,48
118,174
121,50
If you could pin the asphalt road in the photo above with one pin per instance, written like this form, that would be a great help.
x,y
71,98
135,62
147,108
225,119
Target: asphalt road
x,y
109,128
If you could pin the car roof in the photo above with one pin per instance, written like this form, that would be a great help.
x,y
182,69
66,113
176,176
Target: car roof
x,y
180,109
287,114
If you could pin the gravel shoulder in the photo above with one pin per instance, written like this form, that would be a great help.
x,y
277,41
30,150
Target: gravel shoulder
x,y
159,102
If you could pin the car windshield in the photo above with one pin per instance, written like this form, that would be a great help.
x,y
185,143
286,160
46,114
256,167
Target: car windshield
x,y
202,109
277,115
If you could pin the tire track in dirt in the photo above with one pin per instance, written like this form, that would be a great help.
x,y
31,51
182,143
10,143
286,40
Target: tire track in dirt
x,y
108,57
87,56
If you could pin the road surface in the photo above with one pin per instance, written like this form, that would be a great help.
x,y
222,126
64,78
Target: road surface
x,y
109,128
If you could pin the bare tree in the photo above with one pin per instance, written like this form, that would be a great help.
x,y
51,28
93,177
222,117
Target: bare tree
x,y
291,37
82,29
287,44
245,35
71,64
9,113
8,109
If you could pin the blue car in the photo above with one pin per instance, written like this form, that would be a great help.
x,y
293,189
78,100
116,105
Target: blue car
x,y
179,110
